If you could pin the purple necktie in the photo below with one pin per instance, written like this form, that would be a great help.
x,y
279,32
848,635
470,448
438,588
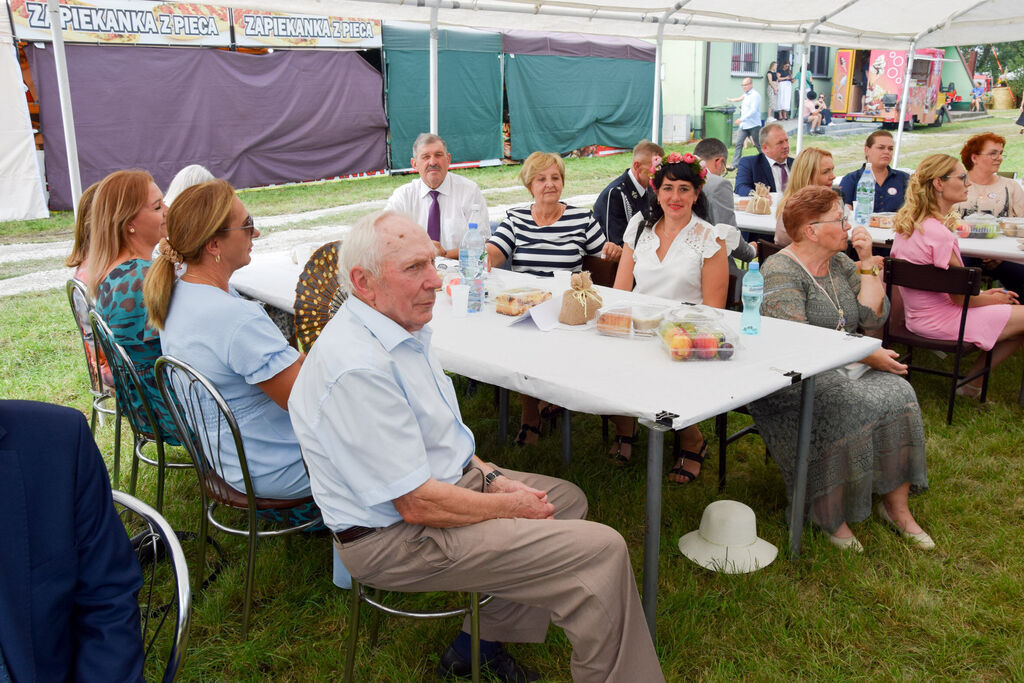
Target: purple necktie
x,y
434,217
784,176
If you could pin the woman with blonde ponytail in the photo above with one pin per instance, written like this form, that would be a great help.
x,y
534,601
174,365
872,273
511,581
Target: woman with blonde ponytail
x,y
924,234
230,340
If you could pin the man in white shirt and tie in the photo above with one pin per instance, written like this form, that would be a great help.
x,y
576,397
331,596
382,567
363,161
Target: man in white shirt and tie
x,y
442,202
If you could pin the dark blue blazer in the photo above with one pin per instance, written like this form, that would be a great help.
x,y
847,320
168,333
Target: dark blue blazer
x,y
756,169
69,578
616,205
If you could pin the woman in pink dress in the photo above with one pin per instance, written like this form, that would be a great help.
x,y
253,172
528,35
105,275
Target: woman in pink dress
x,y
924,235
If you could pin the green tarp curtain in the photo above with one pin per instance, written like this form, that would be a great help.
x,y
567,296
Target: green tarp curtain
x,y
469,91
558,104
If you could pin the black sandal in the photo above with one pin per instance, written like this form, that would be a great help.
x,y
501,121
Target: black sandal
x,y
695,457
524,430
616,458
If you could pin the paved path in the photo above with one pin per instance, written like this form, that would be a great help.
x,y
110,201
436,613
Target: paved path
x,y
302,241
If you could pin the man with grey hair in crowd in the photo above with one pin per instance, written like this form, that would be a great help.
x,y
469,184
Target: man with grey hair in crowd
x,y
625,196
412,507
442,202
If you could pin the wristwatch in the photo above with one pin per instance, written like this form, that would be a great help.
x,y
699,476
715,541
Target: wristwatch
x,y
873,270
491,476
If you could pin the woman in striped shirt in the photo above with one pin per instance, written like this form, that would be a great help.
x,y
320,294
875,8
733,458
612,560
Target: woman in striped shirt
x,y
548,235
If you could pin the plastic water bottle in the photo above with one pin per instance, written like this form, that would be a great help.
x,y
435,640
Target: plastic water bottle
x,y
865,197
753,293
472,263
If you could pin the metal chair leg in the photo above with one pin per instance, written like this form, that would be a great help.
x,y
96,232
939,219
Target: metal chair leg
x,y
353,631
204,529
474,634
134,478
375,621
249,568
161,470
117,447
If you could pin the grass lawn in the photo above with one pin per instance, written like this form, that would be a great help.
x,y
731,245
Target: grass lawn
x,y
583,176
891,613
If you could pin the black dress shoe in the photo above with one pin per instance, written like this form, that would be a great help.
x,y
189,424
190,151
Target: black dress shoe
x,y
501,666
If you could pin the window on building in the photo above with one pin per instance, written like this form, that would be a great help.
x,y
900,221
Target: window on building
x,y
819,61
744,59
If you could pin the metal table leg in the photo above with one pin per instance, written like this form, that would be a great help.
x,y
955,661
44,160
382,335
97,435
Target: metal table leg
x,y
502,415
652,519
566,438
803,448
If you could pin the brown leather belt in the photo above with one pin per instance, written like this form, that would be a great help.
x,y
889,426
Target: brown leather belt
x,y
353,533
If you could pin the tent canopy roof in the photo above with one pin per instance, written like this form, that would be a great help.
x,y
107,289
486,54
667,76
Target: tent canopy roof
x,y
838,23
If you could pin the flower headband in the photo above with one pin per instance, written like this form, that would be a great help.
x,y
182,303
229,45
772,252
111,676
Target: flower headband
x,y
696,165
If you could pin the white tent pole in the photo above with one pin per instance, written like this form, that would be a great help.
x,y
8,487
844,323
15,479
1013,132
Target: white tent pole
x,y
64,89
803,94
803,69
433,68
903,101
655,128
658,56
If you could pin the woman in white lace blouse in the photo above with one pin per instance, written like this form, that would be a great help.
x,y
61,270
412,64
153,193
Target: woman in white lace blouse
x,y
671,251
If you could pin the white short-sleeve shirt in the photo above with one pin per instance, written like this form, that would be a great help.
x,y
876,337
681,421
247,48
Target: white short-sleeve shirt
x,y
678,275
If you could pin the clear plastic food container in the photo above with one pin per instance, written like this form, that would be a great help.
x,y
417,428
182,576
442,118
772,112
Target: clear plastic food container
x,y
697,333
520,299
1012,227
635,320
980,226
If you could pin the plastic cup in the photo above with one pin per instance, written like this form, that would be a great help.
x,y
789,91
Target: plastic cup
x,y
460,301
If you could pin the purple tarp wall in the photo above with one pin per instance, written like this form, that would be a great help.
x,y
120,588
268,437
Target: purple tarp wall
x,y
250,119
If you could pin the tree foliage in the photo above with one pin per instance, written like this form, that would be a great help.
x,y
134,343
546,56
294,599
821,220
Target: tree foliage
x,y
1010,55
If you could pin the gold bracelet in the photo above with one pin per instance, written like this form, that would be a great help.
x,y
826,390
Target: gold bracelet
x,y
871,271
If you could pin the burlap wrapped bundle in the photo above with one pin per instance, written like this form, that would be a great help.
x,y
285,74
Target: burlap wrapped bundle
x,y
760,200
580,303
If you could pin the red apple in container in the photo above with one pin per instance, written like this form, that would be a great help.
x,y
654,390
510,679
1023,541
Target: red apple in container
x,y
681,347
706,345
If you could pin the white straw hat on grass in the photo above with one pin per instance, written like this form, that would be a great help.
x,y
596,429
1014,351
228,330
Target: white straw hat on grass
x,y
727,540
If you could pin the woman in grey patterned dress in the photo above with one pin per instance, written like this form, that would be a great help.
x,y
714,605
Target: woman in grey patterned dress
x,y
867,436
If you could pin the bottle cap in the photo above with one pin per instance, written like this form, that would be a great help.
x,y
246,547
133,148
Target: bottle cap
x,y
754,266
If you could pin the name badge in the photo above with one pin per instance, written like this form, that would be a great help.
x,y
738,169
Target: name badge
x,y
892,191
992,195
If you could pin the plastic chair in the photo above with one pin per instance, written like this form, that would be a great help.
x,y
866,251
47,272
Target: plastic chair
x,y
128,386
359,596
199,412
165,599
965,282
766,249
100,387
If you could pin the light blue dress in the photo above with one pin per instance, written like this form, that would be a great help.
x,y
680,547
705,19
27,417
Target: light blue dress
x,y
233,343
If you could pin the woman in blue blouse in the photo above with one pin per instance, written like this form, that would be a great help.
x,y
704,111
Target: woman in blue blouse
x,y
127,219
232,342
229,340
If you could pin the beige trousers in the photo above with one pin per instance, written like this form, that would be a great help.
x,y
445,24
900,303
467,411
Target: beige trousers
x,y
567,570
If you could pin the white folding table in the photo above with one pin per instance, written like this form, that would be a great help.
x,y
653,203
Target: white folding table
x,y
574,368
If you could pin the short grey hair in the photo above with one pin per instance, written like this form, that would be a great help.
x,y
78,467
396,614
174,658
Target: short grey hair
x,y
193,174
427,139
766,130
646,149
361,247
711,148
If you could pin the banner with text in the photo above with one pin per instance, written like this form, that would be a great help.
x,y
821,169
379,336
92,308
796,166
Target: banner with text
x,y
125,22
256,28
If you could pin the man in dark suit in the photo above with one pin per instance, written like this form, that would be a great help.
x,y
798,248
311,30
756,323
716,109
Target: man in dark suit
x,y
69,579
625,196
770,167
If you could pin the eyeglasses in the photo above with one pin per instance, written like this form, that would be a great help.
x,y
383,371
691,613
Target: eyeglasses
x,y
845,220
962,177
247,225
995,154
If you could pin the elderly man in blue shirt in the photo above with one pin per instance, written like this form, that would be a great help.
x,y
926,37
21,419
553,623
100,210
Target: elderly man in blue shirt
x,y
394,471
890,184
749,120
